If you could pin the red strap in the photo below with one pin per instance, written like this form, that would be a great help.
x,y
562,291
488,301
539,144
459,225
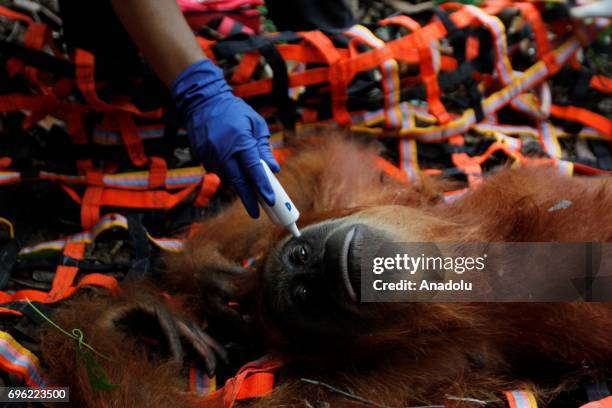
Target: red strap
x,y
391,170
33,295
94,177
205,44
15,15
90,206
256,385
306,54
469,165
158,172
531,14
430,79
339,74
602,83
403,21
64,275
7,311
245,69
210,185
131,139
85,78
17,102
255,379
93,279
97,279
584,116
603,403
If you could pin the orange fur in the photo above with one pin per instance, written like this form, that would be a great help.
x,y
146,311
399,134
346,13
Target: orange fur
x,y
460,349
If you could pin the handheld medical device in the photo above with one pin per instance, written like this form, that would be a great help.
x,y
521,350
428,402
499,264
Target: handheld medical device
x,y
283,212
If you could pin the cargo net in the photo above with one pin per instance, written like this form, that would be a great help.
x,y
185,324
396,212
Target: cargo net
x,y
452,90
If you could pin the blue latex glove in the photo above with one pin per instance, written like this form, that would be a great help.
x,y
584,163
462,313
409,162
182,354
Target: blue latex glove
x,y
226,134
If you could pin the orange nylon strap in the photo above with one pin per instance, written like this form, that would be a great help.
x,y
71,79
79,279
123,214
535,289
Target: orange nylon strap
x,y
158,172
90,206
98,279
467,164
603,403
92,279
64,275
402,49
17,102
7,311
338,77
301,53
131,139
471,48
143,199
403,21
430,79
391,170
75,125
96,197
33,295
205,44
245,69
13,15
210,185
85,79
531,14
94,177
584,116
602,84
256,385
35,38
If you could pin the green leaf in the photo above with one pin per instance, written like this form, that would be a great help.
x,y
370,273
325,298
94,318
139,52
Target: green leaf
x,y
95,373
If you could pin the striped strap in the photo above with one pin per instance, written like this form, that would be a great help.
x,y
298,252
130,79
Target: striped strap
x,y
16,359
200,383
521,399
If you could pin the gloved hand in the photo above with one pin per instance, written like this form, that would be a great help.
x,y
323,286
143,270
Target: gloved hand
x,y
225,133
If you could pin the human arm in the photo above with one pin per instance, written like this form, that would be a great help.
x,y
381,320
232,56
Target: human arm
x,y
226,134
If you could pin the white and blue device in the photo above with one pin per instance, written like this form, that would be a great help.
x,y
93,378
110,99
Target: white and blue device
x,y
283,212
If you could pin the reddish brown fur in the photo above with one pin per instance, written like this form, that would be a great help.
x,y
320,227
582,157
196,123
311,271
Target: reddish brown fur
x,y
471,350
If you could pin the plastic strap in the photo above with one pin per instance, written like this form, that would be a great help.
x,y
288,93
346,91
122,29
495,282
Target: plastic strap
x,y
16,359
429,76
246,67
133,143
337,76
390,75
200,383
64,275
584,116
97,197
521,399
85,79
13,15
603,403
254,379
602,84
469,165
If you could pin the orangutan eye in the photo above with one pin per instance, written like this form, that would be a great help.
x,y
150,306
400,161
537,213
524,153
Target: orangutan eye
x,y
300,293
300,254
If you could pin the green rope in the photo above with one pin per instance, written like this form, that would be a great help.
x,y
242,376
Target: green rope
x,y
76,334
95,373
